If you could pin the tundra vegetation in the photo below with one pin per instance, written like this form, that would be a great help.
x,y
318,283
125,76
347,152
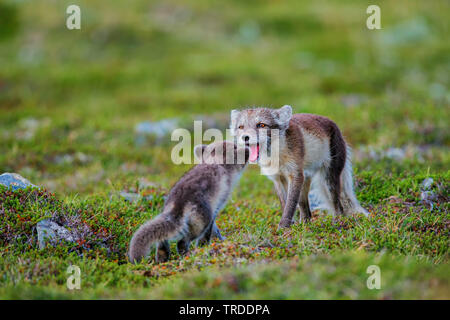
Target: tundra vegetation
x,y
70,101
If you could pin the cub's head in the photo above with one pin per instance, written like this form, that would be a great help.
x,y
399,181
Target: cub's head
x,y
223,152
253,127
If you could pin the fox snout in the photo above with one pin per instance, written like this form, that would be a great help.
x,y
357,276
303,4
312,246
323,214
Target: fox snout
x,y
248,137
246,154
254,140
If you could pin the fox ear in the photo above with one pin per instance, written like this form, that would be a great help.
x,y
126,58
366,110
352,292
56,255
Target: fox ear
x,y
198,151
284,115
233,116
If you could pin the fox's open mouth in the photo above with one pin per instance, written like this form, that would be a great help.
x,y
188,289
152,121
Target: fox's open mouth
x,y
254,152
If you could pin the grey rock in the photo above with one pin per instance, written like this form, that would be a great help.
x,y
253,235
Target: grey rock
x,y
304,60
408,32
14,181
78,157
352,100
82,158
426,184
437,90
28,127
49,231
64,159
428,196
131,197
145,184
134,197
395,154
157,130
219,121
160,132
249,32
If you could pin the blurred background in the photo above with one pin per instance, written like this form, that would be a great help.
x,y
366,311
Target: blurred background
x,y
82,111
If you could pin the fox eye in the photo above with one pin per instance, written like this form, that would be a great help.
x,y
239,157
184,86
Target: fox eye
x,y
241,127
261,125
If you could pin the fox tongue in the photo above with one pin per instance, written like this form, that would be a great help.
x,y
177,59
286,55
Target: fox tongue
x,y
254,151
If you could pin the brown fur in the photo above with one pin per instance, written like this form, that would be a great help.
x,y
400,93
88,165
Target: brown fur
x,y
310,146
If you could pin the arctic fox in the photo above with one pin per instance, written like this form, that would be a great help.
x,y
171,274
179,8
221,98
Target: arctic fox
x,y
193,202
311,148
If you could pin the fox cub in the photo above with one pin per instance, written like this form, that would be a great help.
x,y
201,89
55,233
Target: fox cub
x,y
311,149
193,202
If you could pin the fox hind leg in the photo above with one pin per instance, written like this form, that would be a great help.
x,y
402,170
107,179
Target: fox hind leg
x,y
281,187
200,225
183,246
163,251
333,182
322,191
216,233
295,184
206,238
305,211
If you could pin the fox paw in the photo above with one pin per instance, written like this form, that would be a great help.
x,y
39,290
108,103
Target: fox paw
x,y
284,224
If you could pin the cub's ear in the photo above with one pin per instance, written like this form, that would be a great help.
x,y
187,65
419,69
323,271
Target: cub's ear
x,y
198,151
284,115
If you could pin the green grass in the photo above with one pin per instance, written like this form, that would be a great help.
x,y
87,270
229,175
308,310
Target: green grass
x,y
87,89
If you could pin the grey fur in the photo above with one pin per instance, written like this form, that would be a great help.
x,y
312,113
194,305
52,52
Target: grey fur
x,y
192,204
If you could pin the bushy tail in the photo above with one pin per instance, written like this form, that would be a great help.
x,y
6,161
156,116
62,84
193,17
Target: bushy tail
x,y
348,197
153,231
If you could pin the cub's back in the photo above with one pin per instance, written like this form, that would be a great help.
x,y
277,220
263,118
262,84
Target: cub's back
x,y
198,184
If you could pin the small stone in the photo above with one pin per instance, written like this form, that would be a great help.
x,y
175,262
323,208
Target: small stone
x,y
249,32
135,197
82,158
352,100
29,126
50,231
395,154
216,121
64,159
428,196
146,184
427,183
158,130
14,181
130,197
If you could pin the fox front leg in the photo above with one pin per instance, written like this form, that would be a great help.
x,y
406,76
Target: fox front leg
x,y
216,233
294,187
281,192
162,251
305,211
183,246
206,238
212,232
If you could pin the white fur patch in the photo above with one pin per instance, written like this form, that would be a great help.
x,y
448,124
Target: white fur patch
x,y
317,153
219,199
